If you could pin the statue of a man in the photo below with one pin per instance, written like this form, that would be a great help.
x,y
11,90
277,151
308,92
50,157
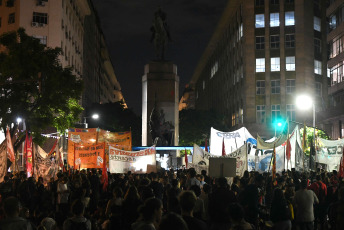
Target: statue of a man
x,y
160,34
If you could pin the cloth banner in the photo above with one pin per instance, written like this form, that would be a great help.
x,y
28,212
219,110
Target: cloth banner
x,y
329,152
10,150
90,156
241,160
261,144
45,166
200,156
28,153
120,140
3,160
121,161
263,156
232,140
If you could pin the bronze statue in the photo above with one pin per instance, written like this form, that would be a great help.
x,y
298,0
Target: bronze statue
x,y
160,34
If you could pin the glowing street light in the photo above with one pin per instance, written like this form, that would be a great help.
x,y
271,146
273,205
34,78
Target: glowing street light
x,y
94,116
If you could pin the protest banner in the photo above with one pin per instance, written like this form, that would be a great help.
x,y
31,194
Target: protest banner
x,y
121,161
90,156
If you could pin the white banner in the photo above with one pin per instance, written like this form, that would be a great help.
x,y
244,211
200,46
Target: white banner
x,y
330,152
121,161
241,160
200,156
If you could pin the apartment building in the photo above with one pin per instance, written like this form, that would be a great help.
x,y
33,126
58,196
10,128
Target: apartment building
x,y
263,54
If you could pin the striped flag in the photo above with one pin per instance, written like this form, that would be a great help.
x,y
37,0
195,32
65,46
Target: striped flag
x,y
274,165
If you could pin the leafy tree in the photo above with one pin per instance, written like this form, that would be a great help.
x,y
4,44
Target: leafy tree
x,y
194,126
115,117
35,87
310,135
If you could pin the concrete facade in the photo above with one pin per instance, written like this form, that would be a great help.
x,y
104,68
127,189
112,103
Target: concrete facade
x,y
160,85
261,56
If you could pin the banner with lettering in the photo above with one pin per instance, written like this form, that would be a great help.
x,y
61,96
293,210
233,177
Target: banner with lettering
x,y
45,165
241,160
121,161
120,140
329,152
90,156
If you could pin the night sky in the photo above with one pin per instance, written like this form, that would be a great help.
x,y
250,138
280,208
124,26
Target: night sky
x,y
126,25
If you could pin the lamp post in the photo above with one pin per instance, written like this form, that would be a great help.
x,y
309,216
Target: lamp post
x,y
94,116
305,102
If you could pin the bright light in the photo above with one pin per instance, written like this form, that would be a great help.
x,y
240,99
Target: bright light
x,y
19,120
95,116
304,102
279,124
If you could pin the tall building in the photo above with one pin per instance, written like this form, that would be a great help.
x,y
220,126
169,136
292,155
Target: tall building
x,y
73,26
333,117
263,54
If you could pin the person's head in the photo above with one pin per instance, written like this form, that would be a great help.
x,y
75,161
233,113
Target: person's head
x,y
259,180
49,223
278,195
132,194
187,200
117,192
206,188
236,212
222,182
304,183
78,207
192,173
24,213
175,183
204,172
318,177
11,207
151,210
196,189
172,221
236,180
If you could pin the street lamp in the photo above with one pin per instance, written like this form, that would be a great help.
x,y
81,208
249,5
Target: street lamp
x,y
305,102
94,116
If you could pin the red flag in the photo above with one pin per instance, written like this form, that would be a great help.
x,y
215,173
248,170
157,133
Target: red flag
x,y
104,173
288,149
186,159
223,147
10,150
28,151
53,149
341,167
206,146
274,166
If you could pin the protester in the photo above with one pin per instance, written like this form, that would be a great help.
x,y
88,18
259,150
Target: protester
x,y
150,215
78,221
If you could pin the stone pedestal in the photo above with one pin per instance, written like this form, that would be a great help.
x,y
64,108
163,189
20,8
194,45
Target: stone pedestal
x,y
160,85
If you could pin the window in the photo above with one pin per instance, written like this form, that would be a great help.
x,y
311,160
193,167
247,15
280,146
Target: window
x,y
260,65
274,19
260,21
260,42
275,112
203,85
10,3
318,89
317,24
289,18
241,30
275,64
275,87
336,74
41,18
333,22
259,2
274,41
11,18
274,2
214,69
291,112
317,67
290,41
260,114
317,45
260,87
42,39
290,86
290,63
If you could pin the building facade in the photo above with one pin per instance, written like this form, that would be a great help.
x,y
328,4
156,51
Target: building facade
x,y
263,54
73,26
333,117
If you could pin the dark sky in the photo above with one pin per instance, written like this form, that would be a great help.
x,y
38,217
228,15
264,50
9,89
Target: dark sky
x,y
126,26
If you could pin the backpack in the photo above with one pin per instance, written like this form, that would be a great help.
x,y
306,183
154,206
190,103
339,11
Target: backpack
x,y
78,225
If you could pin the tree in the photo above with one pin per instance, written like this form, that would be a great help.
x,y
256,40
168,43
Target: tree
x,y
35,87
310,135
194,126
115,117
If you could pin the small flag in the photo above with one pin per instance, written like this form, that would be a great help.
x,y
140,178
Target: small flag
x,y
206,145
104,172
274,166
186,159
223,147
28,151
53,149
10,150
288,149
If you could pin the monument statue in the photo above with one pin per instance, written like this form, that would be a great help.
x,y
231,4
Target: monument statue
x,y
160,34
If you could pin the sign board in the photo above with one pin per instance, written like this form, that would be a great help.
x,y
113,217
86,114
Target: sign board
x,y
222,167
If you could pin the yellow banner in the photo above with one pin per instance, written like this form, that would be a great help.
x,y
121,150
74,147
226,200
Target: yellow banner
x,y
91,156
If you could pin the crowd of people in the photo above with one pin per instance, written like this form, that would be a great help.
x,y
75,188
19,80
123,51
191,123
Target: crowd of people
x,y
169,199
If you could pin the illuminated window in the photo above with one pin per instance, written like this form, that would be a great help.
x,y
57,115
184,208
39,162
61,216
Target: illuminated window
x,y
317,24
289,18
260,65
317,67
290,63
274,20
260,21
275,64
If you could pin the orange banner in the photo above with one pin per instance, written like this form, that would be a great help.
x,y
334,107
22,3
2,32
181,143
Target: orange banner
x,y
86,137
90,156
